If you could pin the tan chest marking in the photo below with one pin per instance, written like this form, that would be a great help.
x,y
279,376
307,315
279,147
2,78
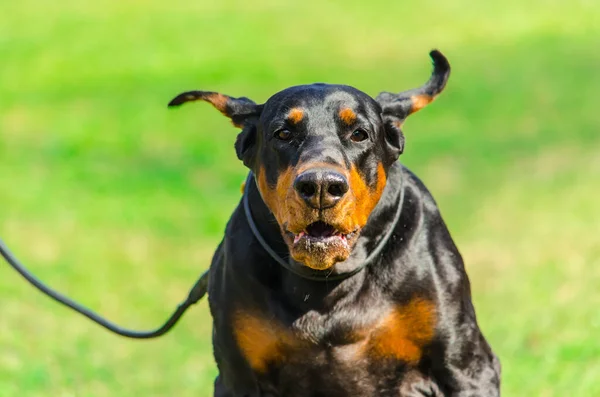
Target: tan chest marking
x,y
401,335
261,341
404,332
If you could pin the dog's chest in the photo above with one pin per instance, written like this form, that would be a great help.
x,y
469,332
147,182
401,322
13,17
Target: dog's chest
x,y
343,352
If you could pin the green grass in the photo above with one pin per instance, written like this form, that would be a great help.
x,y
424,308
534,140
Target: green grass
x,y
119,202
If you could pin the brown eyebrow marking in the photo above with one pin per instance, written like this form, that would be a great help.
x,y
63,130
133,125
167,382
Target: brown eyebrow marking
x,y
295,115
347,115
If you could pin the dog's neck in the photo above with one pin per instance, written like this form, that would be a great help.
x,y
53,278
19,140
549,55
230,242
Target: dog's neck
x,y
380,221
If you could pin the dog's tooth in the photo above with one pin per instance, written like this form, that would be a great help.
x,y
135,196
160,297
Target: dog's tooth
x,y
298,237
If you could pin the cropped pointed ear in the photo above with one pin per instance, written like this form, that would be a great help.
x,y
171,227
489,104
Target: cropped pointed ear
x,y
243,113
397,107
239,110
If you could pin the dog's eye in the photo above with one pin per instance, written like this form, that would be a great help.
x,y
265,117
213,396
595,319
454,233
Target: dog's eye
x,y
284,135
359,136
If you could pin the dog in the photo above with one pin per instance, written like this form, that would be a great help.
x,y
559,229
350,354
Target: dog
x,y
337,275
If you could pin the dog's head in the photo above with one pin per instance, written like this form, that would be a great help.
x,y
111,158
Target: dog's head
x,y
320,154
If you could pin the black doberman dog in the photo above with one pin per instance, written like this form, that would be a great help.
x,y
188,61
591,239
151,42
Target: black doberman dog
x,y
337,275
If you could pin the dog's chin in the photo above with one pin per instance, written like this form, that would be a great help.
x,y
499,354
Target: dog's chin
x,y
320,246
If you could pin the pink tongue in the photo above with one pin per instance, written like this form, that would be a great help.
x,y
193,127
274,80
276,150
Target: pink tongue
x,y
298,237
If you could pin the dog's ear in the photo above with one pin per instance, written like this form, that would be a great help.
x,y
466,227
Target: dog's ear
x,y
397,107
243,113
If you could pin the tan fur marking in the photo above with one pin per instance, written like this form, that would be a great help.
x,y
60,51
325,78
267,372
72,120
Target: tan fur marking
x,y
405,331
219,101
262,341
293,215
243,187
420,101
259,341
275,197
348,116
295,115
363,198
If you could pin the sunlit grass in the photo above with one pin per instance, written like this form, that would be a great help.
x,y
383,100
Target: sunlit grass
x,y
119,201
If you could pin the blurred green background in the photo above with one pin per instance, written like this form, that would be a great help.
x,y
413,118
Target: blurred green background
x,y
119,202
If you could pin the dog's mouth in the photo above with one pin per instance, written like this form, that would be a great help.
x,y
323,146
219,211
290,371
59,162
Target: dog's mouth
x,y
321,245
320,232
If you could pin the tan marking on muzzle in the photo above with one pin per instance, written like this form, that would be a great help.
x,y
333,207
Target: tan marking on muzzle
x,y
348,215
276,198
355,208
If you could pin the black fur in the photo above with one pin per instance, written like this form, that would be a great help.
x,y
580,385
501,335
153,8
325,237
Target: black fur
x,y
420,260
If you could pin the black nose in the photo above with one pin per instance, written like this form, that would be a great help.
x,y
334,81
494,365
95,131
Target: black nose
x,y
321,188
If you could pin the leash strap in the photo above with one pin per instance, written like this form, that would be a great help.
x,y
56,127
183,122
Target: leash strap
x,y
320,276
200,287
195,294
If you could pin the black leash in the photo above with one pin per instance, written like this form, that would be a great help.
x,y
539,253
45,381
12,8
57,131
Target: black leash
x,y
195,294
323,275
200,287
